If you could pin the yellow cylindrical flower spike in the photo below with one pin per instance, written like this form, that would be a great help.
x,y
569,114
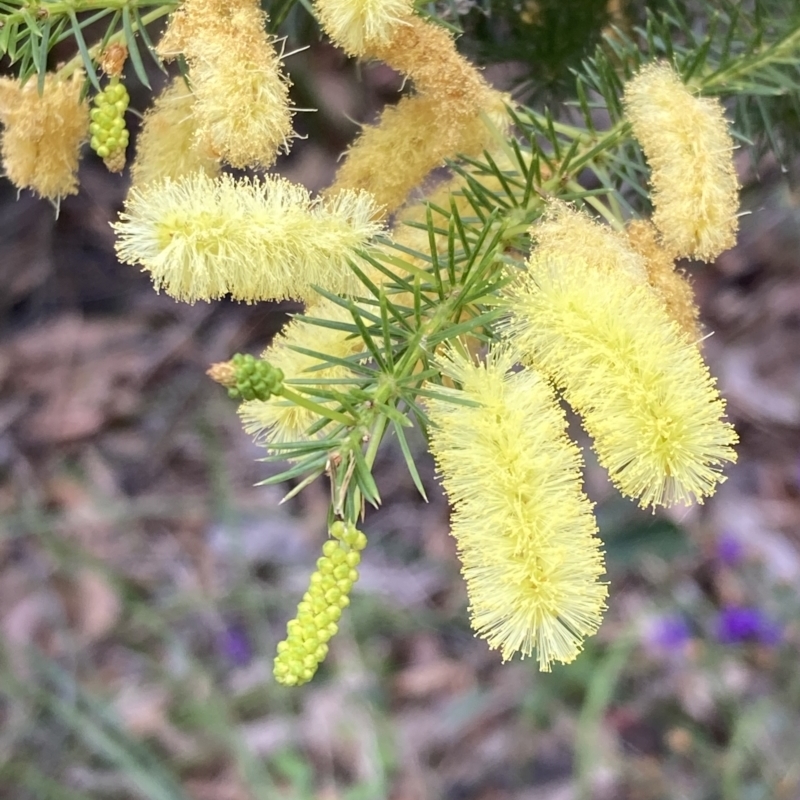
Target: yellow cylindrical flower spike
x,y
202,238
442,120
427,54
166,146
242,107
359,26
411,139
525,531
563,229
43,134
277,419
690,152
639,383
308,634
670,284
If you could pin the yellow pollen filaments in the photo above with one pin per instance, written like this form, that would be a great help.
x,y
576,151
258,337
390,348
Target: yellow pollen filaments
x,y
669,283
563,229
43,134
276,419
639,383
202,238
690,152
166,146
525,531
359,26
446,117
242,99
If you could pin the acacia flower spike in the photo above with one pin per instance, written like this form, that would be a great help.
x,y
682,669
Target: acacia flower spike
x,y
690,152
202,238
639,383
43,134
359,26
524,528
242,109
166,146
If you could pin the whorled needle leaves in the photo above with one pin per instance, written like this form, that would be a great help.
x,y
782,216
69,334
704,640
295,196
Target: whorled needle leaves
x,y
524,528
279,420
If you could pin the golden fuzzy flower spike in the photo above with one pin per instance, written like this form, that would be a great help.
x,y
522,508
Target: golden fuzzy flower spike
x,y
690,152
564,229
411,139
443,119
202,238
276,419
525,531
166,146
359,26
669,283
43,134
242,98
639,383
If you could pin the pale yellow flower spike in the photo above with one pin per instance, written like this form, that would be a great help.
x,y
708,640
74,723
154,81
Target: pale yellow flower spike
x,y
670,284
242,98
278,420
563,229
411,139
359,26
166,146
442,120
641,386
43,134
525,530
690,152
202,238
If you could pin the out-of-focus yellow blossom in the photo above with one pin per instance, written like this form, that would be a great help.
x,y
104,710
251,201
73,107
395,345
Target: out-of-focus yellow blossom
x,y
43,134
166,146
241,107
276,419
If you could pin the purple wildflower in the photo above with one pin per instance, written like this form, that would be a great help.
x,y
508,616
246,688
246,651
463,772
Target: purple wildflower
x,y
669,633
729,549
746,624
234,644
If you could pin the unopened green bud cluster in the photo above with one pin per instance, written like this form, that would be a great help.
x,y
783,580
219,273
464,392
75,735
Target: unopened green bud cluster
x,y
307,635
255,379
109,134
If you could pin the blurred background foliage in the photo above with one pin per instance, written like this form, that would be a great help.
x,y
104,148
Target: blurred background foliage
x,y
145,577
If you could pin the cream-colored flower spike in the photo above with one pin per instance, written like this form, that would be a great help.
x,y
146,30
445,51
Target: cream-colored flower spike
x,y
202,238
359,26
638,382
276,419
690,151
167,143
241,107
43,134
524,528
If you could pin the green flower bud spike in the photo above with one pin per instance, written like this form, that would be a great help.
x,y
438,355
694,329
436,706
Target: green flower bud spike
x,y
307,635
109,134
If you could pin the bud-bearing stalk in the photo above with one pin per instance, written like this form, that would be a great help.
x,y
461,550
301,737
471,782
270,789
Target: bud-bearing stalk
x,y
109,134
307,635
